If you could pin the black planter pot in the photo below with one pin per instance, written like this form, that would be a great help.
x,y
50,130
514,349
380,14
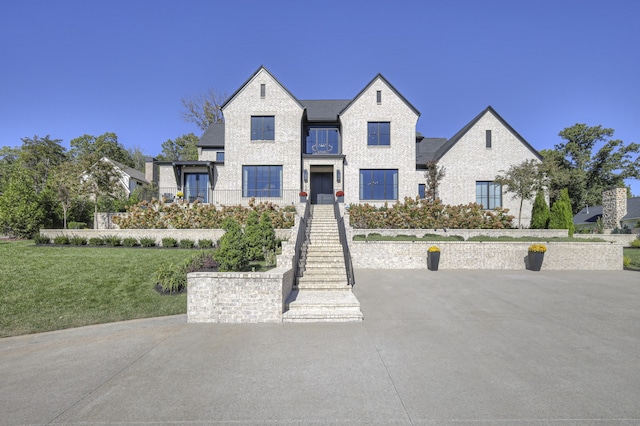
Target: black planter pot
x,y
433,259
535,260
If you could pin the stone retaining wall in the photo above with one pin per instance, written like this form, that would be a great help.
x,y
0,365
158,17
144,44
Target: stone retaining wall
x,y
484,255
238,297
158,234
624,239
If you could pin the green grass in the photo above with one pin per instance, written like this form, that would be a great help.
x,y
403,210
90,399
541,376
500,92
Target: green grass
x,y
537,239
427,237
51,288
634,255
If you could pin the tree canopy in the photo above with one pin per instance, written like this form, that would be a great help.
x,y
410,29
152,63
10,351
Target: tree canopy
x,y
204,109
523,181
183,148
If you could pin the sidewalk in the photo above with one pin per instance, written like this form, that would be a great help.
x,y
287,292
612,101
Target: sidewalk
x,y
447,347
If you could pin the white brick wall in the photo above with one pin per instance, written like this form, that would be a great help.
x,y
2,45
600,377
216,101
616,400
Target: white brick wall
x,y
469,161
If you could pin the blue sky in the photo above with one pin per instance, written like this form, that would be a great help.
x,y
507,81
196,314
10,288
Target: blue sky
x,y
69,68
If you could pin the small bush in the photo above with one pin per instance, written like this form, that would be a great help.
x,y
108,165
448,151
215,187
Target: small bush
x,y
173,278
129,242
96,241
112,241
41,239
61,240
78,241
186,244
147,242
635,243
205,244
626,261
169,242
77,225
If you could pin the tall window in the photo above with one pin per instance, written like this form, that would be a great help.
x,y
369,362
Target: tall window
x,y
378,184
489,194
378,133
262,181
263,128
488,138
322,140
195,187
422,190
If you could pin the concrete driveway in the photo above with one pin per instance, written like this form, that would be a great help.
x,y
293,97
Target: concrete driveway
x,y
447,347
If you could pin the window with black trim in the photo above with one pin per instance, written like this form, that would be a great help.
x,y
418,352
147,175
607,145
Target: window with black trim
x,y
219,157
263,90
379,184
489,194
262,181
263,128
379,96
422,190
488,138
378,133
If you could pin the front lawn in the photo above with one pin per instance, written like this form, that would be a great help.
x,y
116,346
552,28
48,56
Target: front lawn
x,y
50,288
634,255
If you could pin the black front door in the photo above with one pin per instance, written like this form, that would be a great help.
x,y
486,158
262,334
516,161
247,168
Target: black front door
x,y
321,183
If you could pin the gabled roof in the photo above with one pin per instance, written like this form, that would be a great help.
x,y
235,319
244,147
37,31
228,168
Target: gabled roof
x,y
426,149
324,109
451,142
136,174
213,137
588,215
633,208
385,81
261,68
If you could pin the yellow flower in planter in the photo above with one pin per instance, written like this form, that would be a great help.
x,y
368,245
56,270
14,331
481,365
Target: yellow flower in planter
x,y
434,249
180,194
538,248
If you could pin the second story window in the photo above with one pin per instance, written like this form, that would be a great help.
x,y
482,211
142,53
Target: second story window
x,y
322,140
263,128
219,157
378,133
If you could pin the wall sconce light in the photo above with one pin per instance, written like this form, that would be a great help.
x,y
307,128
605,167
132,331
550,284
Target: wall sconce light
x,y
338,176
305,175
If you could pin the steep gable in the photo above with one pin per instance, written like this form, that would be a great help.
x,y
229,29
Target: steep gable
x,y
389,85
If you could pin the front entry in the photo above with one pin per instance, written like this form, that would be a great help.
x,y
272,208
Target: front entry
x,y
321,184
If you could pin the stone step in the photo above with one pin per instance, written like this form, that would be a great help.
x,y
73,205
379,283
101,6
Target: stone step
x,y
321,300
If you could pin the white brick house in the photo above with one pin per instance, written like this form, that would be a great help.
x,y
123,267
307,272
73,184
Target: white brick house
x,y
272,146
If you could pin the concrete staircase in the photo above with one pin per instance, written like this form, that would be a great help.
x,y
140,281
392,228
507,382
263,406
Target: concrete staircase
x,y
322,293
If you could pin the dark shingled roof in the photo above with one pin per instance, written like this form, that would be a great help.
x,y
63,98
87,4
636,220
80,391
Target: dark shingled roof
x,y
213,137
633,208
324,109
588,215
426,149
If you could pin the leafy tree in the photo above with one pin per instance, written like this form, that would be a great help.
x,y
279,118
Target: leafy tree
x,y
204,109
523,180
100,182
66,184
434,176
183,148
40,156
253,236
540,212
21,212
561,216
89,149
585,171
232,253
138,158
8,158
267,234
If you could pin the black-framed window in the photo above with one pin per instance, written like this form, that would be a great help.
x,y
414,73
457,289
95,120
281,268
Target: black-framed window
x,y
322,140
262,181
263,128
378,133
220,157
488,138
379,184
195,187
489,194
422,190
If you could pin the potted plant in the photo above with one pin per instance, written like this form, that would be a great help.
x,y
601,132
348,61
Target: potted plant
x,y
180,195
303,196
433,258
535,256
340,196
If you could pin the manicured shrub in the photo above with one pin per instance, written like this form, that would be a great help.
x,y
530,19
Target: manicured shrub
x,y
147,242
61,240
112,241
540,212
626,261
635,243
561,216
253,237
173,278
41,239
78,241
77,225
96,241
205,244
186,244
169,242
267,234
232,253
129,242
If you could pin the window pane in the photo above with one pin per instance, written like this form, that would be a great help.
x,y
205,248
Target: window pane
x,y
378,184
262,181
195,187
262,128
379,133
220,157
422,190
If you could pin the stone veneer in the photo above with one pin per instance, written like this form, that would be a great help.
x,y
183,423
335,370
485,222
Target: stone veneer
x,y
238,297
614,207
484,255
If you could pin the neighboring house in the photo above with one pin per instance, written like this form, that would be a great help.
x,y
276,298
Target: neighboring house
x,y
616,211
127,177
272,146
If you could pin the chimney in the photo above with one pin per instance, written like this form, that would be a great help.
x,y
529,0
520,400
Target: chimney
x,y
614,207
150,170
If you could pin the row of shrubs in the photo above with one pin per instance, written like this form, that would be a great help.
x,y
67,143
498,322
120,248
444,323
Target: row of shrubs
x,y
424,214
156,214
115,241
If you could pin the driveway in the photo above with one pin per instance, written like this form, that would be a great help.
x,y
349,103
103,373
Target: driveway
x,y
446,347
